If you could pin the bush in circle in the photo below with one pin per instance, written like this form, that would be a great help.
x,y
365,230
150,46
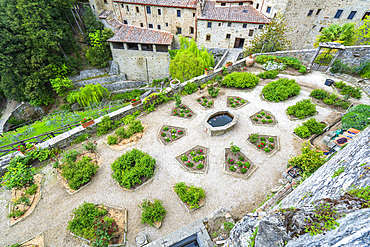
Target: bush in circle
x,y
310,159
247,164
241,158
167,139
263,120
165,128
270,139
189,194
271,74
263,139
302,109
232,168
152,211
319,94
357,117
270,121
78,173
239,163
231,161
281,89
200,166
267,149
241,80
190,88
112,140
184,158
131,166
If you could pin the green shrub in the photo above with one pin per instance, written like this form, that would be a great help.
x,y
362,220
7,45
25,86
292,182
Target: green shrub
x,y
302,69
232,168
328,101
152,212
18,176
357,117
79,173
189,194
271,74
241,80
363,69
104,126
190,88
302,131
351,91
302,109
363,193
310,159
339,67
112,140
135,127
281,89
323,58
131,166
254,138
31,190
288,61
200,166
91,93
243,170
314,126
121,133
319,94
81,138
84,219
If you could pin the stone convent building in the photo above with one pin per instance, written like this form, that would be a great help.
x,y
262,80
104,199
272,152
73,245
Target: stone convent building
x,y
232,23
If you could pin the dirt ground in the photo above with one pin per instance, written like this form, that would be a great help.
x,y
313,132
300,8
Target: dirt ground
x,y
239,196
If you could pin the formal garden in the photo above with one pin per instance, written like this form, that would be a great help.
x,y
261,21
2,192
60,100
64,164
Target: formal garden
x,y
157,169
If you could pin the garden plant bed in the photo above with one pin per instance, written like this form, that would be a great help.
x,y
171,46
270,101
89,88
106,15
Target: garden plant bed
x,y
206,102
120,218
194,160
241,166
196,191
236,102
169,134
312,136
332,106
33,199
290,98
264,118
144,181
259,139
126,142
183,112
37,241
95,159
293,118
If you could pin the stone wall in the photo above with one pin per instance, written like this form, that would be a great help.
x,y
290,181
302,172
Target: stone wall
x,y
354,55
88,74
124,85
142,65
305,56
217,53
101,80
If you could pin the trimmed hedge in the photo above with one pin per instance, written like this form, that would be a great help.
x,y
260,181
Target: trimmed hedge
x,y
241,80
309,128
302,109
280,90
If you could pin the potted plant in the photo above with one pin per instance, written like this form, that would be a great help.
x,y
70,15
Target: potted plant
x,y
208,71
228,64
26,148
87,121
135,102
249,61
175,83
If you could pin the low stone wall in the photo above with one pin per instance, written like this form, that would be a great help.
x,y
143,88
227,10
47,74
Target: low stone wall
x,y
354,55
101,80
305,56
218,53
124,85
89,73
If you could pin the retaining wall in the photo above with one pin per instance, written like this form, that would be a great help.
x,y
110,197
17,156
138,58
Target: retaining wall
x,y
101,80
305,56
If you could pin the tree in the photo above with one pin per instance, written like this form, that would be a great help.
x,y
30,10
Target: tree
x,y
345,34
272,37
34,35
90,93
186,66
363,32
99,53
91,23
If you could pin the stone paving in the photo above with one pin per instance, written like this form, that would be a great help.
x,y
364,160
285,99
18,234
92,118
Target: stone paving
x,y
222,190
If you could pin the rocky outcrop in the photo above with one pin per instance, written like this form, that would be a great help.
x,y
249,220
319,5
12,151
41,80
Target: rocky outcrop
x,y
286,223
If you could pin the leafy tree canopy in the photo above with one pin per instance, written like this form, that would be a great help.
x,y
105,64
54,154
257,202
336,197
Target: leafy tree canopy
x,y
363,32
345,34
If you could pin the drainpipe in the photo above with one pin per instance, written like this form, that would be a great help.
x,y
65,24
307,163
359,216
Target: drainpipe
x,y
146,18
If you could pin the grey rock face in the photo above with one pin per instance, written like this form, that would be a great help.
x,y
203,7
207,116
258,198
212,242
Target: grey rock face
x,y
114,68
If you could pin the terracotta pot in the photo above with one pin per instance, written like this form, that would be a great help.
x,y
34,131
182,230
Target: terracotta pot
x,y
138,102
249,61
228,65
208,72
87,124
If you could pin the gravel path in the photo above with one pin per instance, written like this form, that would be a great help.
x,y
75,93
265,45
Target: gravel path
x,y
222,190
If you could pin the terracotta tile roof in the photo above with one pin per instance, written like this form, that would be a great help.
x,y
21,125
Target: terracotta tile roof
x,y
165,3
132,34
232,1
243,13
114,23
105,14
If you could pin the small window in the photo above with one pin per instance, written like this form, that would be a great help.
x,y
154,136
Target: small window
x,y
105,1
122,5
179,31
208,37
159,12
229,24
245,25
219,24
150,25
209,24
128,10
191,30
274,15
260,26
318,11
166,24
159,27
141,25
257,6
228,36
148,10
351,15
193,14
125,22
310,12
137,10
241,3
250,32
178,13
365,15
268,10
223,4
338,14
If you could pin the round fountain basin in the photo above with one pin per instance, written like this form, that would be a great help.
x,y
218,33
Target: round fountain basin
x,y
219,122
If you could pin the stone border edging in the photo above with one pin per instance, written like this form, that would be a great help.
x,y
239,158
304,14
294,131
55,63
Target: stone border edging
x,y
170,143
237,108
41,233
183,203
186,118
268,124
226,171
120,148
30,212
196,172
141,185
270,154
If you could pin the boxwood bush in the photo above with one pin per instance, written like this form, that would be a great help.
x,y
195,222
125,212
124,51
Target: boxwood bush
x,y
152,212
302,109
131,166
319,94
241,80
309,128
281,89
189,194
310,160
357,117
348,90
271,74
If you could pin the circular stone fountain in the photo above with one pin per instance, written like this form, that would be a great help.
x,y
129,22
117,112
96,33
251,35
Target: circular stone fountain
x,y
219,122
